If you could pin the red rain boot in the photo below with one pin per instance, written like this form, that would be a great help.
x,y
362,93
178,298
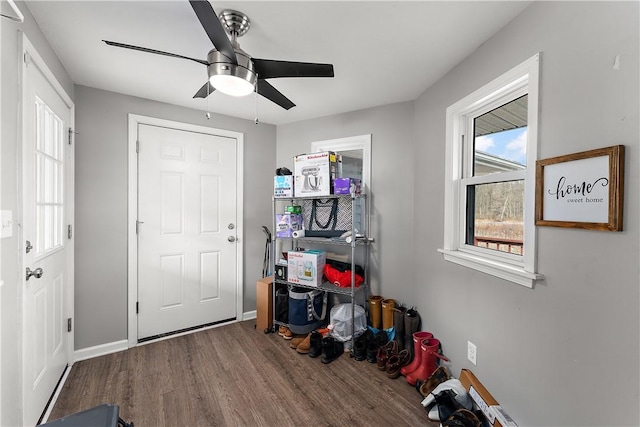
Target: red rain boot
x,y
415,363
429,360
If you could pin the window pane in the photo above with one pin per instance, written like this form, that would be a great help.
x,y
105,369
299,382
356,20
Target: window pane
x,y
500,138
495,216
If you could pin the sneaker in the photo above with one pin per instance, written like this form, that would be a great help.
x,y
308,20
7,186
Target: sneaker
x,y
282,330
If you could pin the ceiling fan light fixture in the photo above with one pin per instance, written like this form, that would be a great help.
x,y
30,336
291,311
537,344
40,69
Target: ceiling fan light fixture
x,y
231,79
231,84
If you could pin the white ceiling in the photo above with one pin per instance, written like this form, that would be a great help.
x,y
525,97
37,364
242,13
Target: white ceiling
x,y
382,52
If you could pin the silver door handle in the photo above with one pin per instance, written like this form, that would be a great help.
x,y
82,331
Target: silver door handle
x,y
37,273
231,239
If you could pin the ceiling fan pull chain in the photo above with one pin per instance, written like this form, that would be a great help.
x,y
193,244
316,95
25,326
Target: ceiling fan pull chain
x,y
255,91
208,115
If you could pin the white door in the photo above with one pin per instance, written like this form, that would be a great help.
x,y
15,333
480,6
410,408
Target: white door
x,y
187,261
47,171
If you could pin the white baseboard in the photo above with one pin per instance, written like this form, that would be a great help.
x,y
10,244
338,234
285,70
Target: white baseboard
x,y
100,350
249,315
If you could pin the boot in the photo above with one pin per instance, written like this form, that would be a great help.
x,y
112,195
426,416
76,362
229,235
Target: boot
x,y
430,349
411,326
375,311
387,312
331,349
415,362
315,344
398,325
304,345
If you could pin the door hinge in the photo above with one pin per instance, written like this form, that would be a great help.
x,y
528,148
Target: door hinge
x,y
69,324
70,135
69,231
137,308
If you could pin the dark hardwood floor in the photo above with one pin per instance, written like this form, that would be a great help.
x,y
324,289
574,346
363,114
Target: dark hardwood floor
x,y
236,375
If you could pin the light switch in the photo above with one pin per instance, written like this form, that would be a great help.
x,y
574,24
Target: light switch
x,y
6,224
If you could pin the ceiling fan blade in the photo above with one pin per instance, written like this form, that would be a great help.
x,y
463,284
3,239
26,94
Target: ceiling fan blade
x,y
157,52
271,69
272,94
206,90
213,28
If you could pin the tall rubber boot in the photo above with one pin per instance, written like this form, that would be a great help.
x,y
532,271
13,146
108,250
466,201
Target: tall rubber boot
x,y
430,349
387,312
375,311
417,337
411,326
398,325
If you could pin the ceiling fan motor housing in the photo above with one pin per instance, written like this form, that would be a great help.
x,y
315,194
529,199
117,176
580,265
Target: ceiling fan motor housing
x,y
220,65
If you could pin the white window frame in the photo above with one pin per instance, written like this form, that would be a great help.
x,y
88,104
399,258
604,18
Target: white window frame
x,y
523,79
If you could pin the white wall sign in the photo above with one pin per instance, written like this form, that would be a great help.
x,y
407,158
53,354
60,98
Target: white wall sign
x,y
582,190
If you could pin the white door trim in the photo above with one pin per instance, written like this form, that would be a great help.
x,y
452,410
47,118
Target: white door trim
x,y
29,53
132,215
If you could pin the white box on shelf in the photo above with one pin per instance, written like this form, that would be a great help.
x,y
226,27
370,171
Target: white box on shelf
x,y
283,186
306,267
314,173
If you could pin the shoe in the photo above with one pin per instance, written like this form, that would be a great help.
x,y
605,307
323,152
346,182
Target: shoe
x,y
295,341
331,349
384,353
282,330
315,344
440,375
414,352
396,362
372,351
304,345
430,349
462,418
360,347
288,335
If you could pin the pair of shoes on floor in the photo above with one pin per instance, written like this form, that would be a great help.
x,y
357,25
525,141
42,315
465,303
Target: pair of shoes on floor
x,y
285,332
301,343
440,375
331,349
390,359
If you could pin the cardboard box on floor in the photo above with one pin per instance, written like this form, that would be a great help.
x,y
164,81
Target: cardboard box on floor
x,y
264,303
489,406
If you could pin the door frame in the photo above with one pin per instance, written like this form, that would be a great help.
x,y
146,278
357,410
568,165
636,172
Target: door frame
x,y
27,50
132,211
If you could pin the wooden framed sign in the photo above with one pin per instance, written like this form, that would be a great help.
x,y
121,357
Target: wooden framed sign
x,y
581,190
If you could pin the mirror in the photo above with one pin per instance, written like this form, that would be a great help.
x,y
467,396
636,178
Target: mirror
x,y
356,157
356,163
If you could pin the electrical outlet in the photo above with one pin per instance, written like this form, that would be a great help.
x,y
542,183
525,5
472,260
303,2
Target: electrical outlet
x,y
472,352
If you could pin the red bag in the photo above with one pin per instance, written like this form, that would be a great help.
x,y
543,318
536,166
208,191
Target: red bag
x,y
341,278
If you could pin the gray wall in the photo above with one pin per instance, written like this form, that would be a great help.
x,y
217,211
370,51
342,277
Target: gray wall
x,y
392,139
566,352
11,258
101,204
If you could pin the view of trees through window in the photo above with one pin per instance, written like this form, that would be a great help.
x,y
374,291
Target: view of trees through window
x,y
498,207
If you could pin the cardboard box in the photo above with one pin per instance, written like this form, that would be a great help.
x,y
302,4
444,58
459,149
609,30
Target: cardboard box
x,y
264,303
286,224
283,186
347,186
314,173
306,267
489,406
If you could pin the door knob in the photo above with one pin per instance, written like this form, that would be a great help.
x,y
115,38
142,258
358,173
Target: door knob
x,y
231,239
37,273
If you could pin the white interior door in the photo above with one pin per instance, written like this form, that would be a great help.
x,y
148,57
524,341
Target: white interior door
x,y
187,258
47,181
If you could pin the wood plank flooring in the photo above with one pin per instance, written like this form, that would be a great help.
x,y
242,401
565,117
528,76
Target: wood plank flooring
x,y
236,375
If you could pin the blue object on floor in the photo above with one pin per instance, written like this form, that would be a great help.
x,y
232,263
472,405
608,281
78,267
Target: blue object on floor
x,y
105,415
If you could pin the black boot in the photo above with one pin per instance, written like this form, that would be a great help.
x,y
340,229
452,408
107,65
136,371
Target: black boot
x,y
411,325
398,325
331,349
315,348
360,347
372,351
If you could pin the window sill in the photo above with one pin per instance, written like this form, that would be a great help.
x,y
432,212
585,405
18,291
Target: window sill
x,y
499,269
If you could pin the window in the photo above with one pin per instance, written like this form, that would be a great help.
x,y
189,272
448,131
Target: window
x,y
490,169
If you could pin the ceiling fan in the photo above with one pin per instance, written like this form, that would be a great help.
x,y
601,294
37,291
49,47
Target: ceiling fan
x,y
231,70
